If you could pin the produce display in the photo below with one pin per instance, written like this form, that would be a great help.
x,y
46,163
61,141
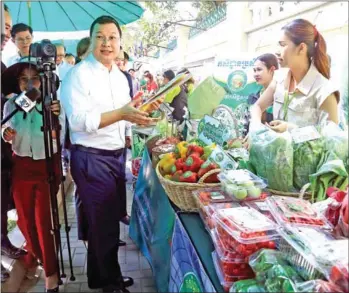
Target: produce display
x,y
271,155
187,164
318,286
242,185
206,212
225,280
264,242
231,262
245,230
289,210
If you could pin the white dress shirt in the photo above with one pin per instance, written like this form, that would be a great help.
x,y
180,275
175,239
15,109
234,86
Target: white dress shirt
x,y
13,60
63,69
88,90
29,140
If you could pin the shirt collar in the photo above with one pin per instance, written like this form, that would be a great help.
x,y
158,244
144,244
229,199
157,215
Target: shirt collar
x,y
98,65
307,82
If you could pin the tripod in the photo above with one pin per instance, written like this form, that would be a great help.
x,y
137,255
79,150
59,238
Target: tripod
x,y
50,125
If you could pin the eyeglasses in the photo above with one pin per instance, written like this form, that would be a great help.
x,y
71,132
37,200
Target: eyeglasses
x,y
22,41
60,56
103,39
26,79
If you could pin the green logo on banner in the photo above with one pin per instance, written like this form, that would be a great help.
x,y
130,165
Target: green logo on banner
x,y
190,283
237,81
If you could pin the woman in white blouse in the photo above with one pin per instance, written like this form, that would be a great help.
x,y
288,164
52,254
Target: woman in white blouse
x,y
301,95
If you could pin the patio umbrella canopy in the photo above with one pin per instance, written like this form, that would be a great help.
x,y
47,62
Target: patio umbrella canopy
x,y
58,16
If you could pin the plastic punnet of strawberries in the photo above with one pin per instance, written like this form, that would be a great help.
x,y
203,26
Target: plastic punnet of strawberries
x,y
245,230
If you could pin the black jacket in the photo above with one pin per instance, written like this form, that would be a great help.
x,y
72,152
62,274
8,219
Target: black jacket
x,y
129,79
178,103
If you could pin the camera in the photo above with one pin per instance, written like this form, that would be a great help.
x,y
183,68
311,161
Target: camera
x,y
45,52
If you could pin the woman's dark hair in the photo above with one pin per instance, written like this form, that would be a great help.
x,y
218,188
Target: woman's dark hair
x,y
302,31
104,19
6,8
269,60
82,47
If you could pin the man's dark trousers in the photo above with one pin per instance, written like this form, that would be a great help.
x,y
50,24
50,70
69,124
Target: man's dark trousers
x,y
100,183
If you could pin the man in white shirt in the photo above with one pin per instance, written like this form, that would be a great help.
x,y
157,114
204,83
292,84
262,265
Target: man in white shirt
x,y
95,97
22,37
62,66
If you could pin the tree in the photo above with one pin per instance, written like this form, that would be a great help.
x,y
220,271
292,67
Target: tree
x,y
154,27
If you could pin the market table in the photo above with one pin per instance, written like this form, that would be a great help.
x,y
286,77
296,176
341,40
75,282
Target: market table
x,y
177,245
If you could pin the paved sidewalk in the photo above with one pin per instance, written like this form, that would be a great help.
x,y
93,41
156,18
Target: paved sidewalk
x,y
132,262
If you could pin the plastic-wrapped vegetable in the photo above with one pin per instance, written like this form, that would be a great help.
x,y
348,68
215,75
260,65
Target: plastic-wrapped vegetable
x,y
336,140
271,155
306,156
264,259
282,278
246,286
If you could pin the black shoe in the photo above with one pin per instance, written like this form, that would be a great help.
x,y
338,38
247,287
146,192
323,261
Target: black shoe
x,y
128,281
122,243
55,290
113,289
126,220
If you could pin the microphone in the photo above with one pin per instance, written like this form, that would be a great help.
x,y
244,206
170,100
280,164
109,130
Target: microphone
x,y
25,101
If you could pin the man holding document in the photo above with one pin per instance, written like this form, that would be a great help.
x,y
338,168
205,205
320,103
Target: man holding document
x,y
96,99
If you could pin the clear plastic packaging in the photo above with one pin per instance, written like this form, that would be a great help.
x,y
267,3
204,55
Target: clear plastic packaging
x,y
231,262
339,275
312,251
225,280
247,286
206,212
296,211
246,230
242,185
207,196
318,286
261,206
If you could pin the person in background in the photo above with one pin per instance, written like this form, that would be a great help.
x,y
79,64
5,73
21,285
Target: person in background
x,y
22,37
29,173
135,83
62,66
177,97
95,97
7,247
151,86
121,63
263,72
82,49
70,59
190,84
306,91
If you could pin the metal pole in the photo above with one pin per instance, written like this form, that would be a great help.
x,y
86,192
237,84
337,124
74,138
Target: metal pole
x,y
29,13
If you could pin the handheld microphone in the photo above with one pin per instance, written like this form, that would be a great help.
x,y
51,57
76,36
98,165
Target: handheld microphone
x,y
25,101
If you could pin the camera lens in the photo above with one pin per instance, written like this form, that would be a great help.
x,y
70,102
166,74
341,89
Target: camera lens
x,y
49,50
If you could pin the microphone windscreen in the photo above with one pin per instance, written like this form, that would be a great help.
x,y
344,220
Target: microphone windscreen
x,y
33,94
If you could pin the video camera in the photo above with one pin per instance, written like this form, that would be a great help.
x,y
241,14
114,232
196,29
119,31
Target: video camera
x,y
46,53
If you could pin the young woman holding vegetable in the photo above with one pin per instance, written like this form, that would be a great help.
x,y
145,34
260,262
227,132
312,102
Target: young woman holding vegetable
x,y
305,92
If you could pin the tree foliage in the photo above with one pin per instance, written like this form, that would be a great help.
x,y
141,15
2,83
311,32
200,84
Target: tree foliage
x,y
154,27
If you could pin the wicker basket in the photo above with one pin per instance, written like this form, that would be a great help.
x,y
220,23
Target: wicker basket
x,y
301,194
180,193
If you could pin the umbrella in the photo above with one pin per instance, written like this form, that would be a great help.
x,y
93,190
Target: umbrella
x,y
54,16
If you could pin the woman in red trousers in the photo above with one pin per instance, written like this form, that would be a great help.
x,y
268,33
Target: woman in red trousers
x,y
29,174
